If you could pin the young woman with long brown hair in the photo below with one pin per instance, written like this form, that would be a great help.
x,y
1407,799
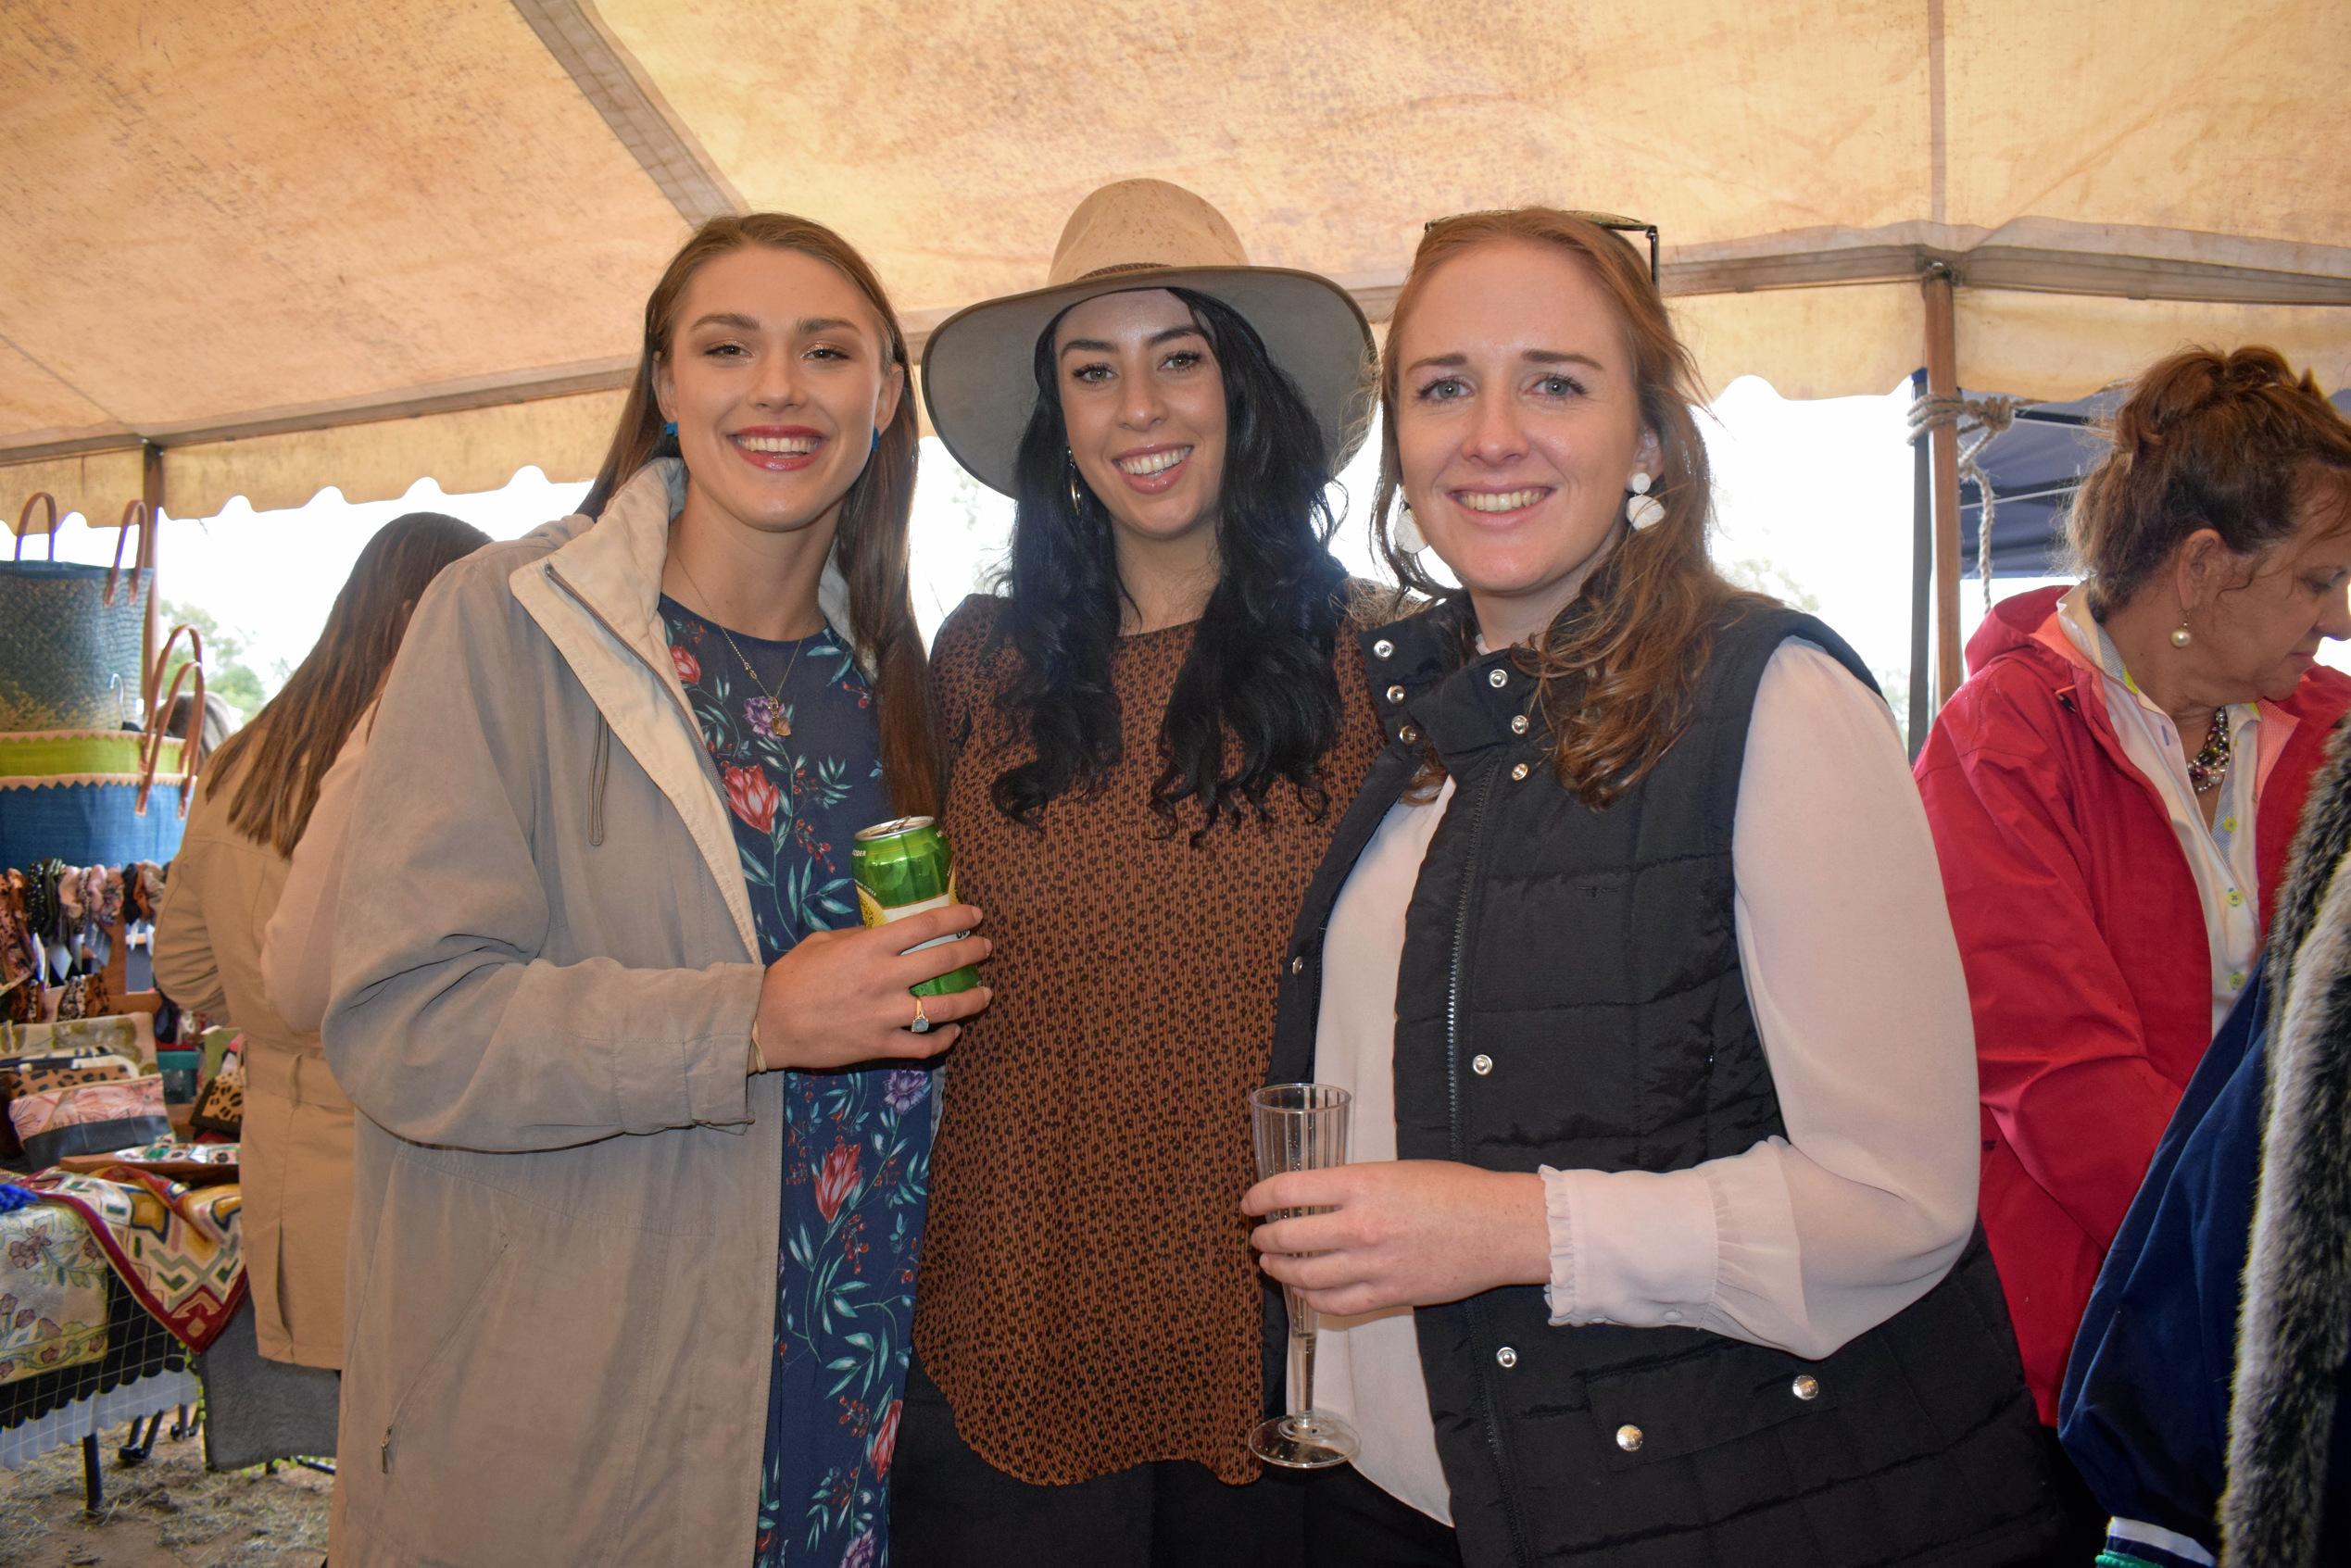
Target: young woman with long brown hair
x,y
642,1172
252,807
1660,1246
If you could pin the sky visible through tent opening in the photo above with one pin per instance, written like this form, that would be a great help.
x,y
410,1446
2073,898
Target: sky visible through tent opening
x,y
1813,503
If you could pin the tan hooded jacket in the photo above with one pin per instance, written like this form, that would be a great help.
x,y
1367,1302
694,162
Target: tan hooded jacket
x,y
564,1244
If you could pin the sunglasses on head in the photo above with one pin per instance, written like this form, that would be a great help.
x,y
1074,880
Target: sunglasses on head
x,y
1609,221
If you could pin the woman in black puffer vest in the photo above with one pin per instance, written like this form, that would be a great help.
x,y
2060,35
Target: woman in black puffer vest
x,y
1661,1245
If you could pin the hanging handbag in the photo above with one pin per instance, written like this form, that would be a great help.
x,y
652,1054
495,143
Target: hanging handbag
x,y
71,635
101,818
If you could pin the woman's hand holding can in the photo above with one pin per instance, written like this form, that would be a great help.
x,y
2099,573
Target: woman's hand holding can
x,y
841,997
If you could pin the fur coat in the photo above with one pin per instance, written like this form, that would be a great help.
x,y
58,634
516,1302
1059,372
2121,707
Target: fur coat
x,y
2295,1324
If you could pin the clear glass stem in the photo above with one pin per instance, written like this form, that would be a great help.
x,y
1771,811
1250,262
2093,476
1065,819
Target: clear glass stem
x,y
1302,1352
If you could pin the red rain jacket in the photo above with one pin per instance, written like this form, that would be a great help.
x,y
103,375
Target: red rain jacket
x,y
2084,946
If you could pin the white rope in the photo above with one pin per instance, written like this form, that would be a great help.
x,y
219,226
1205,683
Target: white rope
x,y
1982,418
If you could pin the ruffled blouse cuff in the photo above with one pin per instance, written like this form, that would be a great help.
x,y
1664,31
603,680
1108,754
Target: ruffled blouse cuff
x,y
1630,1247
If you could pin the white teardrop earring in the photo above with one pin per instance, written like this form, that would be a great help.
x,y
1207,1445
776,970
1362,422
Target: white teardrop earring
x,y
1406,533
1642,508
2181,636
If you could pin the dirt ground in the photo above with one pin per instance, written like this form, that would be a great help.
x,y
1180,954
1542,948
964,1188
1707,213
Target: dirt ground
x,y
170,1512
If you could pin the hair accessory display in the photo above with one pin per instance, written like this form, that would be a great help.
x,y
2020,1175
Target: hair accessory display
x,y
1642,508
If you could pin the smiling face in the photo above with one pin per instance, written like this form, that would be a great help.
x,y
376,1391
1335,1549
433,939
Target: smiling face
x,y
1517,425
2263,637
1143,403
777,375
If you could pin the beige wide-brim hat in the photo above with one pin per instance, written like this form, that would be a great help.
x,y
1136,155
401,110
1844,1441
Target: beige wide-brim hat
x,y
979,366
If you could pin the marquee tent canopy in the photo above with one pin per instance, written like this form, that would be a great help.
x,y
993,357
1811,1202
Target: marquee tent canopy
x,y
263,246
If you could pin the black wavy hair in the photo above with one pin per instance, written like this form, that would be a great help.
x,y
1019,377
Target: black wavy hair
x,y
1260,665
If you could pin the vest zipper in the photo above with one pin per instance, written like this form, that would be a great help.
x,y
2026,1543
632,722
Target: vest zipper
x,y
1452,1105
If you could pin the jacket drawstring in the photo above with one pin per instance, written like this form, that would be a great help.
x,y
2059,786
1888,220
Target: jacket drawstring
x,y
596,783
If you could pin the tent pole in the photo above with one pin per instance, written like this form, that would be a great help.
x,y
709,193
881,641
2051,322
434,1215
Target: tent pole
x,y
151,492
1943,380
1922,558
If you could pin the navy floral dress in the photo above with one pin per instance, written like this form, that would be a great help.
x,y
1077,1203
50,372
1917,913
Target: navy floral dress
x,y
802,774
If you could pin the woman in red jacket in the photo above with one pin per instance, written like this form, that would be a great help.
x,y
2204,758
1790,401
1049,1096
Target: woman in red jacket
x,y
2114,789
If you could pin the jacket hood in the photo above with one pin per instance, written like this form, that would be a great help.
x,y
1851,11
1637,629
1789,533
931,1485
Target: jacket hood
x,y
2013,625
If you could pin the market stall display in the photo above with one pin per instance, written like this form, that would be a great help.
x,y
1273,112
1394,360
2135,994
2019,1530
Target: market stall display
x,y
121,1263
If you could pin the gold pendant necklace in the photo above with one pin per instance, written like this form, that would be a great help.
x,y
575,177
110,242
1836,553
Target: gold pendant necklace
x,y
777,725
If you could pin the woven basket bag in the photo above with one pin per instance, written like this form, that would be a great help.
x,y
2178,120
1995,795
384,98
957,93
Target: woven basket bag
x,y
70,634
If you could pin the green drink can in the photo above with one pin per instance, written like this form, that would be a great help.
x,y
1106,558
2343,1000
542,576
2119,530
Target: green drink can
x,y
902,868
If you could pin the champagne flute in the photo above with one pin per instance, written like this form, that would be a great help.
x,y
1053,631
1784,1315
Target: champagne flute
x,y
1301,1127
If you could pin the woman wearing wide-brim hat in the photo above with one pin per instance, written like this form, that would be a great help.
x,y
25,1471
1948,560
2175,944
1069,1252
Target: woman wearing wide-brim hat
x,y
1153,728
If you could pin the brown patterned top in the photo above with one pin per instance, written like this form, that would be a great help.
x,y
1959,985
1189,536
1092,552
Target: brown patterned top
x,y
1088,1299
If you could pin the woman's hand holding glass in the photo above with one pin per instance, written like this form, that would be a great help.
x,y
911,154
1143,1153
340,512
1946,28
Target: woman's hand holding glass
x,y
842,998
1406,1232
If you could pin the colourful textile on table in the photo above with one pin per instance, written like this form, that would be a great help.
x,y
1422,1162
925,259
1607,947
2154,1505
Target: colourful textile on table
x,y
125,1034
53,1292
175,1248
41,1110
36,1078
801,773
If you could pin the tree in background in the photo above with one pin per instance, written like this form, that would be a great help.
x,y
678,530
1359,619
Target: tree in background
x,y
226,674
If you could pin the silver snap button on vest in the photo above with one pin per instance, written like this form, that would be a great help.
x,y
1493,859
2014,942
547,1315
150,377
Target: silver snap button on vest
x,y
1507,1358
1805,1387
1481,1064
1498,677
1383,648
1298,965
1408,734
1628,1439
1395,694
1518,774
1518,725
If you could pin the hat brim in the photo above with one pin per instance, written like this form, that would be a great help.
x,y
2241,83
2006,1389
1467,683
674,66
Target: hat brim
x,y
979,375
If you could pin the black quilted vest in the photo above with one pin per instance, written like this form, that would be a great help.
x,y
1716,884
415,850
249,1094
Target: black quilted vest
x,y
1570,996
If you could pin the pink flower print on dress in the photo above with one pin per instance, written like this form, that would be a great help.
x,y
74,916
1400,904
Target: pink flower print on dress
x,y
837,1184
885,1441
753,795
689,668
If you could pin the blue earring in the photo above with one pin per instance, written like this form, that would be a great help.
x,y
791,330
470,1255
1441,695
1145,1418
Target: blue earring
x,y
878,442
669,428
